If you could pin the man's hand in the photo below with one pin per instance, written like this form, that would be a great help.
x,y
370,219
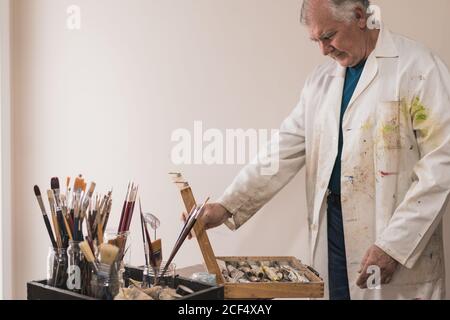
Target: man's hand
x,y
214,215
376,257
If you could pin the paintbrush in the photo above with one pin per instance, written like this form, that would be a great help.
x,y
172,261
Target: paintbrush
x,y
107,211
59,215
65,208
98,220
66,214
147,242
84,207
37,192
77,189
146,249
51,201
132,203
124,208
128,209
108,253
157,252
67,187
86,249
87,197
184,233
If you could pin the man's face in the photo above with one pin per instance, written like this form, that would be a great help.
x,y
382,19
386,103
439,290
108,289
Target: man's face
x,y
341,41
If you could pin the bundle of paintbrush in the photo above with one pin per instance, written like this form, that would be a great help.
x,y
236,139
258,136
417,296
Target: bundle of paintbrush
x,y
68,212
105,282
152,250
120,239
194,215
98,217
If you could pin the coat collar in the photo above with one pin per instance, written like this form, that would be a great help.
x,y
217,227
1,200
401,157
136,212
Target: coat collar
x,y
385,48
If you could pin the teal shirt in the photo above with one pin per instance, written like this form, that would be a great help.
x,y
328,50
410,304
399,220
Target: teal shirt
x,y
351,81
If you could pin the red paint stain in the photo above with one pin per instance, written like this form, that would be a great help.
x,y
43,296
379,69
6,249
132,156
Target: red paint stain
x,y
387,174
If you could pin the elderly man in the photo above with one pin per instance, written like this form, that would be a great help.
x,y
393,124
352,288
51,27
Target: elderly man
x,y
373,129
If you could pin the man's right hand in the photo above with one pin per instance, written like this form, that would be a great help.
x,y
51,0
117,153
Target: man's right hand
x,y
214,215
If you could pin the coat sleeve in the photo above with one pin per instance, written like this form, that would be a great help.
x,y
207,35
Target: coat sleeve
x,y
420,213
273,168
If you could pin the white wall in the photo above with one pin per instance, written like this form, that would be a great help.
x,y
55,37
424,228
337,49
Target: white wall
x,y
104,101
5,151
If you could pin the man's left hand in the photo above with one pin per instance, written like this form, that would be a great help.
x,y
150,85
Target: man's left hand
x,y
377,257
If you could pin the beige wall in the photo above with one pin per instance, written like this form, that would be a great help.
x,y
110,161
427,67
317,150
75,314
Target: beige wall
x,y
104,101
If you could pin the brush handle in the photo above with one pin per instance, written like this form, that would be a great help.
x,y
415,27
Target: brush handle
x,y
66,224
150,247
50,232
130,216
123,225
75,228
62,227
122,216
57,232
100,233
143,239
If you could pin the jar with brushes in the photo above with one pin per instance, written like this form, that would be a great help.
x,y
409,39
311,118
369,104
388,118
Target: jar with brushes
x,y
79,273
57,263
157,276
105,283
122,240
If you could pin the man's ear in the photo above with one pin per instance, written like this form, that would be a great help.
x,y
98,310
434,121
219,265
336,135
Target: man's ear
x,y
361,17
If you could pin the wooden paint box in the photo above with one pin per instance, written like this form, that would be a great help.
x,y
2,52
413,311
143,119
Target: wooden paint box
x,y
255,290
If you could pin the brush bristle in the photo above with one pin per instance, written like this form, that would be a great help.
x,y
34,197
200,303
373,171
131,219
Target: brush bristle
x,y
92,188
78,185
108,253
55,183
37,192
156,245
84,246
50,194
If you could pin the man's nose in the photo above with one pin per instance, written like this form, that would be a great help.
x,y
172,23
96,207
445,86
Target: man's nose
x,y
326,48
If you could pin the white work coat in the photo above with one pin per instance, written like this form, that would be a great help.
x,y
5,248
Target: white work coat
x,y
395,165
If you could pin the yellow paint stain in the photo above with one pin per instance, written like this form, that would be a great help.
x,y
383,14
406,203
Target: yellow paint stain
x,y
367,126
389,129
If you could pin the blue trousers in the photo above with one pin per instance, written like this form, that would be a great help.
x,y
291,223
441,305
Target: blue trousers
x,y
337,261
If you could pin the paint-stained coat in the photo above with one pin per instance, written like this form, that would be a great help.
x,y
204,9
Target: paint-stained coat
x,y
395,165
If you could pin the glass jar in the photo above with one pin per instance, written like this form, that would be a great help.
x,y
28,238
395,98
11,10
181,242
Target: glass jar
x,y
76,268
123,241
167,279
57,263
105,284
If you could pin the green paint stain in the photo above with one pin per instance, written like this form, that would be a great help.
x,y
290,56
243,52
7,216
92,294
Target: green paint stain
x,y
389,128
419,111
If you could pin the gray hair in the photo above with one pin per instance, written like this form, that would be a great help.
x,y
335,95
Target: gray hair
x,y
343,10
